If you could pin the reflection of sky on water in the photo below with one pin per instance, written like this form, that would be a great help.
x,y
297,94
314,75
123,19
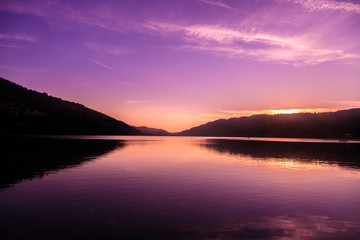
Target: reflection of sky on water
x,y
283,227
290,154
190,188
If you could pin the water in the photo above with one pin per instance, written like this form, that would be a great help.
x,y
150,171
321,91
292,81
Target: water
x,y
178,188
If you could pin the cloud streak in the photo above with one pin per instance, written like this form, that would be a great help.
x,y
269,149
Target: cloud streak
x,y
296,50
219,4
225,35
18,37
347,103
136,101
109,49
314,5
103,65
8,46
253,37
22,70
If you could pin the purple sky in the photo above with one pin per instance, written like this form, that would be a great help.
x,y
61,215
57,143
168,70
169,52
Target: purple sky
x,y
178,64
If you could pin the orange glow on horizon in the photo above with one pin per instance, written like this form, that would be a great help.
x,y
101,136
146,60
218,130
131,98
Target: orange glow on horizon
x,y
175,120
285,111
303,110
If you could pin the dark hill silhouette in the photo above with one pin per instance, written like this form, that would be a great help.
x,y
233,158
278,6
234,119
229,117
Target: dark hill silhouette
x,y
340,124
153,131
24,111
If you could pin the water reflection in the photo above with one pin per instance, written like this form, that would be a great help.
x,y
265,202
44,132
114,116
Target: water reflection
x,y
302,152
182,188
31,157
284,227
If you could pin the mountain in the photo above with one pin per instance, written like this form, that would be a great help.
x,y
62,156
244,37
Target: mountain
x,y
340,124
24,111
153,131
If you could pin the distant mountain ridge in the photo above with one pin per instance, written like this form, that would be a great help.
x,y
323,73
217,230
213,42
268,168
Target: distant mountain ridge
x,y
340,124
24,111
153,131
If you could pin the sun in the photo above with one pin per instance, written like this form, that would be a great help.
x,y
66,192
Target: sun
x,y
285,111
302,110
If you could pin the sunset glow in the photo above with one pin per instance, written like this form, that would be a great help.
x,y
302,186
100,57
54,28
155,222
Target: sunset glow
x,y
178,64
306,110
283,111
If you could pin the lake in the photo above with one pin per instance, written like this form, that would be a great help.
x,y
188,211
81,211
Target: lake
x,y
122,187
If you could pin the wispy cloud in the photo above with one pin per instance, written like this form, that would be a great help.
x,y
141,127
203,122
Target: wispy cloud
x,y
19,37
327,5
23,70
103,65
109,49
136,101
219,4
66,15
225,35
296,50
253,37
8,46
301,57
347,103
205,116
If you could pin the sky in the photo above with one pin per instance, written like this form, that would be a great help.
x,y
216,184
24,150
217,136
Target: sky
x,y
178,64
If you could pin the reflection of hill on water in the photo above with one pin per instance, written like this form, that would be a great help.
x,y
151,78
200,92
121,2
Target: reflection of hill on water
x,y
347,154
27,158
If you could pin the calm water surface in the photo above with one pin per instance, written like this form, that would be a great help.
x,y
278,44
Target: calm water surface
x,y
178,188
